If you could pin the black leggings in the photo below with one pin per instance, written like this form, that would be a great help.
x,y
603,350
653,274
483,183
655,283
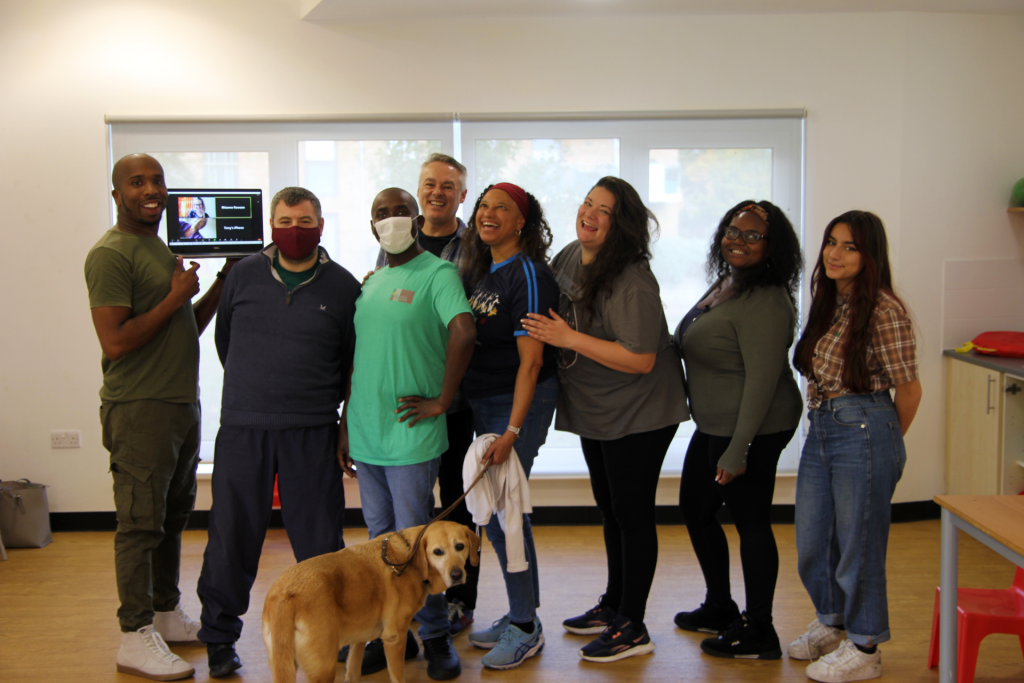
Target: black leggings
x,y
624,477
749,499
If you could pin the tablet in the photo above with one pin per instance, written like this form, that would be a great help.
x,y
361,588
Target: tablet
x,y
214,222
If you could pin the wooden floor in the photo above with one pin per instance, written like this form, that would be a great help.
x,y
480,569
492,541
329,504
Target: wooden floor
x,y
58,624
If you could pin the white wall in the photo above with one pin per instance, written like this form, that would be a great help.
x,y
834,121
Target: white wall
x,y
914,116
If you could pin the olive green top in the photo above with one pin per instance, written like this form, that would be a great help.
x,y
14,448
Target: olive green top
x,y
739,379
134,271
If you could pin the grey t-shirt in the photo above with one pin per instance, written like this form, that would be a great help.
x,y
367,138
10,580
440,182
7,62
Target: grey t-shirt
x,y
738,372
597,402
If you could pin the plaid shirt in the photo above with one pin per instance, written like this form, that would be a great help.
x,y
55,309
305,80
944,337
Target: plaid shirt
x,y
892,353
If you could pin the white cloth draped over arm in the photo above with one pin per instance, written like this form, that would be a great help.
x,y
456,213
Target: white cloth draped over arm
x,y
504,491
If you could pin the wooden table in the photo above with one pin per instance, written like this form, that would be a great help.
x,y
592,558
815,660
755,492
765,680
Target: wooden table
x,y
996,521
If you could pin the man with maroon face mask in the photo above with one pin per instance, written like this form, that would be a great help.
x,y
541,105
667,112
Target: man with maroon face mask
x,y
285,336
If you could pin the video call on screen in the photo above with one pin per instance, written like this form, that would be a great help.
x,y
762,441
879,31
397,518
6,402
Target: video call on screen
x,y
202,216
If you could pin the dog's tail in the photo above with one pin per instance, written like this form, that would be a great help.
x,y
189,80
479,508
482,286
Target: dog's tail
x,y
279,635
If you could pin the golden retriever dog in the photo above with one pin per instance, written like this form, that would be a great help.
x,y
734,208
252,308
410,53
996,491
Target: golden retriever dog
x,y
352,596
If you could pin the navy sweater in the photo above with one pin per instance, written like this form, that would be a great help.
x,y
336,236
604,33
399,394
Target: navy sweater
x,y
286,356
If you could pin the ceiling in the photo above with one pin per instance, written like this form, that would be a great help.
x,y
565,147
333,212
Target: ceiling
x,y
334,10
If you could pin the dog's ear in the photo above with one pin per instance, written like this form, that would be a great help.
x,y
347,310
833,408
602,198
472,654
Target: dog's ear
x,y
474,546
420,562
427,569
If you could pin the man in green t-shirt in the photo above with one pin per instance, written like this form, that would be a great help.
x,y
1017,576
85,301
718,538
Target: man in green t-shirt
x,y
414,338
148,329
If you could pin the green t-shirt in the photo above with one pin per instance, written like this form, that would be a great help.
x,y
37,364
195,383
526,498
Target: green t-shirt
x,y
135,271
290,279
401,322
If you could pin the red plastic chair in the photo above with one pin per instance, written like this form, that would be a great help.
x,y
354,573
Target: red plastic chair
x,y
980,612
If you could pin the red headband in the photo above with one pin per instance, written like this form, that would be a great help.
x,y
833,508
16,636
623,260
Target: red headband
x,y
517,194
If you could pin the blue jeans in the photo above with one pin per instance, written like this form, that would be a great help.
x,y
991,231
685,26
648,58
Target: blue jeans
x,y
492,415
852,459
396,497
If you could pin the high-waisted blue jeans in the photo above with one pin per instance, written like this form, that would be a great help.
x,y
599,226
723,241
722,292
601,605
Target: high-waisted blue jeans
x,y
852,459
492,416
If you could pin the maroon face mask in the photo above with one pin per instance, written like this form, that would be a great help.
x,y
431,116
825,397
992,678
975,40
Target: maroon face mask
x,y
296,243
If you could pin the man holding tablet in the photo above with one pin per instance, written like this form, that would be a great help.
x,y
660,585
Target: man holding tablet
x,y
148,328
285,336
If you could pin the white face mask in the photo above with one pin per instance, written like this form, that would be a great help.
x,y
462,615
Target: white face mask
x,y
395,234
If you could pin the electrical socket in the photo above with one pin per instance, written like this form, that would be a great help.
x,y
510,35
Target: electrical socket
x,y
68,438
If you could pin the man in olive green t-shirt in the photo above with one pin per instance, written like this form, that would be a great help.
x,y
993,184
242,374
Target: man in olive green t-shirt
x,y
148,329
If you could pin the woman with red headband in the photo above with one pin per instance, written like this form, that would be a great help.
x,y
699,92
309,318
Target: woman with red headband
x,y
511,384
622,392
746,403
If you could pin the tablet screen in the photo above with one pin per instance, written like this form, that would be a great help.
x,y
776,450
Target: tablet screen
x,y
214,222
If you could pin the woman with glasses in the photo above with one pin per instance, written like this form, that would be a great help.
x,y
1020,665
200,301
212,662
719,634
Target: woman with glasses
x,y
621,391
511,384
858,345
735,343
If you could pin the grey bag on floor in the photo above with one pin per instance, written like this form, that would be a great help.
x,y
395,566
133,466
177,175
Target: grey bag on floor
x,y
24,514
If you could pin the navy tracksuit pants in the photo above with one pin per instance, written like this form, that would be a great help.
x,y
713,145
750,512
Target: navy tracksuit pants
x,y
312,505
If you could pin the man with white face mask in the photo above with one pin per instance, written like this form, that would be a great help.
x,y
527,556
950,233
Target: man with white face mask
x,y
285,336
441,190
414,339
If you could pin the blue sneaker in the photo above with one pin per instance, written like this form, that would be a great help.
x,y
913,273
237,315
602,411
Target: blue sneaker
x,y
459,618
488,638
513,648
620,640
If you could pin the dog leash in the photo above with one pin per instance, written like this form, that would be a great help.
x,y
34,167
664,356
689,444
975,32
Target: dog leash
x,y
400,567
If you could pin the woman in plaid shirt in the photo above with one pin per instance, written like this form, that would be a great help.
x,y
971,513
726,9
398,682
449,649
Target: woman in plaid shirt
x,y
857,345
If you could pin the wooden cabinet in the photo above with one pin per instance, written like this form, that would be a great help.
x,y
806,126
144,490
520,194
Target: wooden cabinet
x,y
984,430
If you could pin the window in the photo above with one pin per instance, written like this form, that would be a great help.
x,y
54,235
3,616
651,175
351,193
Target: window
x,y
688,170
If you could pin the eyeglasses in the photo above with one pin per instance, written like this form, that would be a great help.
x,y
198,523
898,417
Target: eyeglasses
x,y
750,236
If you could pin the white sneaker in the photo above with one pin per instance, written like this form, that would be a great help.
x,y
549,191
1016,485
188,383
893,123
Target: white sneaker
x,y
817,642
846,664
144,653
176,626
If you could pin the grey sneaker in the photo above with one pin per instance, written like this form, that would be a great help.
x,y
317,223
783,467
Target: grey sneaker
x,y
513,648
488,638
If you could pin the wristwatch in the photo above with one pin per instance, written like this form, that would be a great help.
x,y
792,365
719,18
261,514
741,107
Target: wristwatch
x,y
221,276
515,430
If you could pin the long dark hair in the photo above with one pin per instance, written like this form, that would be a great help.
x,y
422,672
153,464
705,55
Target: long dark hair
x,y
628,241
782,264
875,277
534,242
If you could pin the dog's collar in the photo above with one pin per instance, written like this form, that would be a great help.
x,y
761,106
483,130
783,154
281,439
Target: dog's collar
x,y
384,553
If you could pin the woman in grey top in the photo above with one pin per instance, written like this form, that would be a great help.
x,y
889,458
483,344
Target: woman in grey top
x,y
747,406
621,390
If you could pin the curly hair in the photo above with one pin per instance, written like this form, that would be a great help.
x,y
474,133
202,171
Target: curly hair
x,y
628,241
782,263
875,276
534,242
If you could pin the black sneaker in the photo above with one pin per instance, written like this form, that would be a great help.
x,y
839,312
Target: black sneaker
x,y
594,620
620,640
375,660
745,639
222,659
442,660
708,619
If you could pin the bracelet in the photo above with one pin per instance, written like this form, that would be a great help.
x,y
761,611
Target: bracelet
x,y
514,430
221,275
